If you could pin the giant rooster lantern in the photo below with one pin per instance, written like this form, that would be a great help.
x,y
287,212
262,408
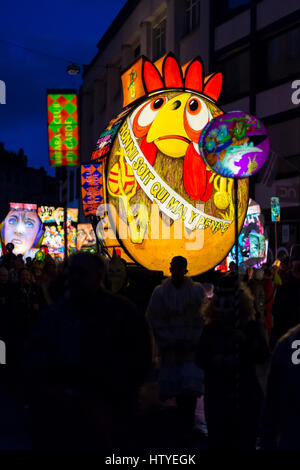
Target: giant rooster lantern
x,y
165,200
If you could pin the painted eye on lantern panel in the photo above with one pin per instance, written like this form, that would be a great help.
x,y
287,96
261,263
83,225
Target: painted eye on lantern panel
x,y
149,112
29,223
197,113
157,104
194,106
13,220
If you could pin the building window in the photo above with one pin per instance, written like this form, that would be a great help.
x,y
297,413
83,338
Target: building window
x,y
288,148
192,15
236,75
279,58
227,9
159,40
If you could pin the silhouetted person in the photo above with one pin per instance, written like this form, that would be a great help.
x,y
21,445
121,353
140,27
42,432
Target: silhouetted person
x,y
228,353
248,275
3,288
283,270
281,416
89,356
232,269
9,258
270,290
4,314
9,373
46,280
255,284
286,307
25,301
176,322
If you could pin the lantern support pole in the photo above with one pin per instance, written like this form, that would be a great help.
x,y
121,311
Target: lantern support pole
x,y
236,224
65,200
66,232
94,223
237,294
275,226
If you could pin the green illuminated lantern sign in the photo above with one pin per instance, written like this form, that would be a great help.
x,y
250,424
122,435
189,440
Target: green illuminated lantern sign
x,y
63,129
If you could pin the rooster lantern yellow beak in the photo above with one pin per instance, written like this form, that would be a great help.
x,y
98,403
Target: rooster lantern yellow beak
x,y
167,130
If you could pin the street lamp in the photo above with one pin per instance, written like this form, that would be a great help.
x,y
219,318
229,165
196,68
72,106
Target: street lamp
x,y
73,69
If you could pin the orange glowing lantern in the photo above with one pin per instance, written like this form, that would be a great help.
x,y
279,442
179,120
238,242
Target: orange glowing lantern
x,y
164,201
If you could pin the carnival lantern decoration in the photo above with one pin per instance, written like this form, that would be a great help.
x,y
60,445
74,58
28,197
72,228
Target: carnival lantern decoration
x,y
167,201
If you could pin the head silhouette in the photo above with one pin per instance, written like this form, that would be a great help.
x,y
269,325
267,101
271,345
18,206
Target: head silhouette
x,y
178,269
86,274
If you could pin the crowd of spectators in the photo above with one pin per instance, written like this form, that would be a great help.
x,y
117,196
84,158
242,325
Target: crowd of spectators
x,y
81,357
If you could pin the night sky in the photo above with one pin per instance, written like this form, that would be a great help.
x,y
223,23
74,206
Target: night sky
x,y
67,29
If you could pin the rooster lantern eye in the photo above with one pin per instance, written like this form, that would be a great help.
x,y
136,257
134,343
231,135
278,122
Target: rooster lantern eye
x,y
196,117
145,115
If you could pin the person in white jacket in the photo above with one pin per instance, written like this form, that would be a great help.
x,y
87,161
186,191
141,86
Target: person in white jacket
x,y
174,317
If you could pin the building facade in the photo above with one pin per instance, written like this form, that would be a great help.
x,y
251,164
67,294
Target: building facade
x,y
69,186
255,43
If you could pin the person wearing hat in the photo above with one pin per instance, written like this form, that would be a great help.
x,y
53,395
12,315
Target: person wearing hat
x,y
174,317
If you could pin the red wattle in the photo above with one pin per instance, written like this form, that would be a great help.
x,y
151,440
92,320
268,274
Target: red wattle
x,y
195,177
149,149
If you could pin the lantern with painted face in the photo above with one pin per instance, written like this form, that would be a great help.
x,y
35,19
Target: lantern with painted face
x,y
23,228
86,238
167,201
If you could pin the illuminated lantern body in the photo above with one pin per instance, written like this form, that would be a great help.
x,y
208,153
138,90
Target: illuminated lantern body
x,y
275,209
252,240
22,227
167,201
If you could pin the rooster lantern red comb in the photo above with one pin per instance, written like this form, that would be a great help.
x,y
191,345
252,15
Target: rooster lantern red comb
x,y
173,77
153,80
